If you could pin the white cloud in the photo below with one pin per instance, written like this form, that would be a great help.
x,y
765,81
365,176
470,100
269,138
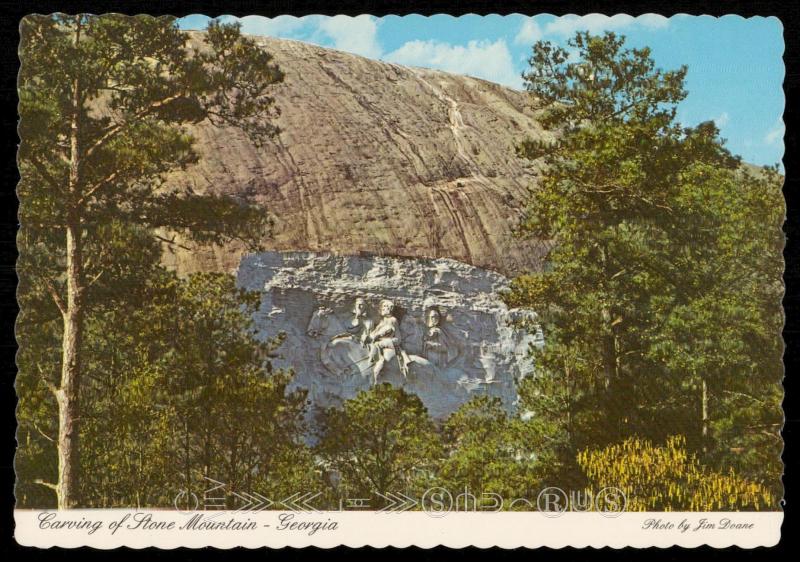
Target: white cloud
x,y
358,35
652,21
566,26
529,33
482,59
722,120
776,133
280,26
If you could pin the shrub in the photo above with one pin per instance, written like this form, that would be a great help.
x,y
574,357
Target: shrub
x,y
668,478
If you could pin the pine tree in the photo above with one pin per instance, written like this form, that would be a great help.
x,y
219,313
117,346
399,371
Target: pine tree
x,y
382,441
102,99
661,297
489,452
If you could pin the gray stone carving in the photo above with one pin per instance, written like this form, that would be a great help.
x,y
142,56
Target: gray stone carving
x,y
385,342
437,328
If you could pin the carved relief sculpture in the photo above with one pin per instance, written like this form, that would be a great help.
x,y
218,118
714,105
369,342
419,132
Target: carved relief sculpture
x,y
434,347
385,342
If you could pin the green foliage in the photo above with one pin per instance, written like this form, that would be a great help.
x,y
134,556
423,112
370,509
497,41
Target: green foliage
x,y
128,84
178,388
191,396
609,82
102,103
488,451
669,478
665,273
380,441
383,441
556,409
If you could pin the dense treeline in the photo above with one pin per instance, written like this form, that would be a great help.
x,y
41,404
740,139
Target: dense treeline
x,y
178,390
181,396
662,296
102,104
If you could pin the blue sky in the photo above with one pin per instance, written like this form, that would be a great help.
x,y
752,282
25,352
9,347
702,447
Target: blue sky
x,y
735,65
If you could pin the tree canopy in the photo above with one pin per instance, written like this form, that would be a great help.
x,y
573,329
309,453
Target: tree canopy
x,y
662,294
380,441
102,103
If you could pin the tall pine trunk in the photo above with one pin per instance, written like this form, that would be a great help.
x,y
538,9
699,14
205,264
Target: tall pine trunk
x,y
68,393
704,415
616,390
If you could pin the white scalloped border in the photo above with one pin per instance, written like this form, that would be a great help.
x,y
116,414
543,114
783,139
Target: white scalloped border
x,y
455,530
769,533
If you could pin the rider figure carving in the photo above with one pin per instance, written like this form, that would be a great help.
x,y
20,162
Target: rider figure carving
x,y
385,341
360,325
434,346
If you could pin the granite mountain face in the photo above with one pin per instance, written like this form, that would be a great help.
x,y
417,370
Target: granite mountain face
x,y
376,159
394,193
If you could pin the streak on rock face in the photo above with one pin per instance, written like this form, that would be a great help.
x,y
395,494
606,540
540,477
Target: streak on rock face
x,y
376,158
436,327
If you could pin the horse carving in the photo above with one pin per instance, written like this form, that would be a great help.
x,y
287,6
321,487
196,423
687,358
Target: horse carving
x,y
342,354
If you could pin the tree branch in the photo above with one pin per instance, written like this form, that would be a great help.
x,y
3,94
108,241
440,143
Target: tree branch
x,y
94,279
47,484
50,385
111,131
42,433
92,190
56,297
42,169
171,242
743,395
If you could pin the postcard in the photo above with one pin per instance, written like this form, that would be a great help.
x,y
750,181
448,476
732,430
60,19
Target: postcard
x,y
505,280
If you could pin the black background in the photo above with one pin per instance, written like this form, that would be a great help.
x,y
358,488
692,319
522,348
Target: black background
x,y
12,12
